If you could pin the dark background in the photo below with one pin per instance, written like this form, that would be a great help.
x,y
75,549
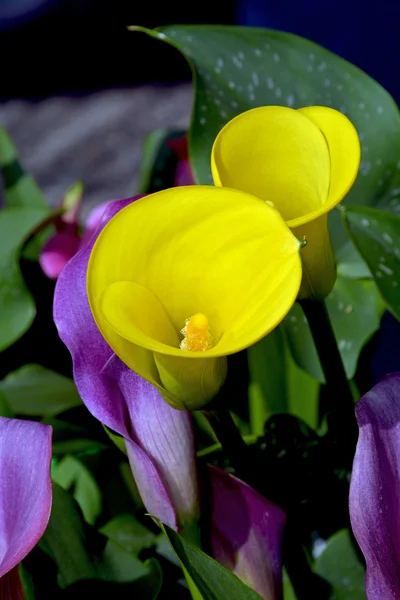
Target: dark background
x,y
52,47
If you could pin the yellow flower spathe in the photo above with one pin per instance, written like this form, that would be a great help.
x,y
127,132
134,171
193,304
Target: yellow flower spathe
x,y
303,161
219,264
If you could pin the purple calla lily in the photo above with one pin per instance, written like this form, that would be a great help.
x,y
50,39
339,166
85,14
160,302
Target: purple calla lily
x,y
374,491
247,530
247,533
25,496
125,402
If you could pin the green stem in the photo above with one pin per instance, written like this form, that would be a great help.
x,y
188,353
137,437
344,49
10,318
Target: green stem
x,y
341,418
230,439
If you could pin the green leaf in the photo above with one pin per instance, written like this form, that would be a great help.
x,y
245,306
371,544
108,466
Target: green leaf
x,y
238,68
340,566
64,540
129,533
17,308
5,409
27,583
34,390
20,189
119,565
277,385
302,392
151,147
288,591
72,475
117,439
213,581
376,234
82,554
267,386
355,309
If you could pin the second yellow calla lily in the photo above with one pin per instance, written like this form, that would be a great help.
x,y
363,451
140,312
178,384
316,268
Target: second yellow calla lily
x,y
180,279
304,162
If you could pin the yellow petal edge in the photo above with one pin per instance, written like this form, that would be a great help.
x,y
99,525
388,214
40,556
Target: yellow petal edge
x,y
183,251
304,162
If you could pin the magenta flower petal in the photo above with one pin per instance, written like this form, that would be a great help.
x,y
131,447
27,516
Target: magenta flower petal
x,y
375,488
247,534
25,488
57,251
165,471
162,452
77,329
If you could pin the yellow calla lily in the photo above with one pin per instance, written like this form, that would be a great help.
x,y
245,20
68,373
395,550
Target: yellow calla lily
x,y
181,278
303,161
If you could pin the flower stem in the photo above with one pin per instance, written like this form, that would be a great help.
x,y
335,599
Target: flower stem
x,y
341,418
230,439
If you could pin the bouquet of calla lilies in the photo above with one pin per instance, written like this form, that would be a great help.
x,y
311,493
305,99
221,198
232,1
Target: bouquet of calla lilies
x,y
221,433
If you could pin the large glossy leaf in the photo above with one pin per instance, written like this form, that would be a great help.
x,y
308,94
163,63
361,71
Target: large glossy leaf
x,y
238,68
277,385
34,390
376,233
340,566
20,189
212,580
17,308
72,475
355,309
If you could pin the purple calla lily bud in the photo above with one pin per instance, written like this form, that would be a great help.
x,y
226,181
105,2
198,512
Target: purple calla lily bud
x,y
375,484
247,534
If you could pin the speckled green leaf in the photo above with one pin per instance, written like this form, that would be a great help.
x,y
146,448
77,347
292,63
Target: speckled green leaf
x,y
17,308
340,566
376,234
238,68
355,309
